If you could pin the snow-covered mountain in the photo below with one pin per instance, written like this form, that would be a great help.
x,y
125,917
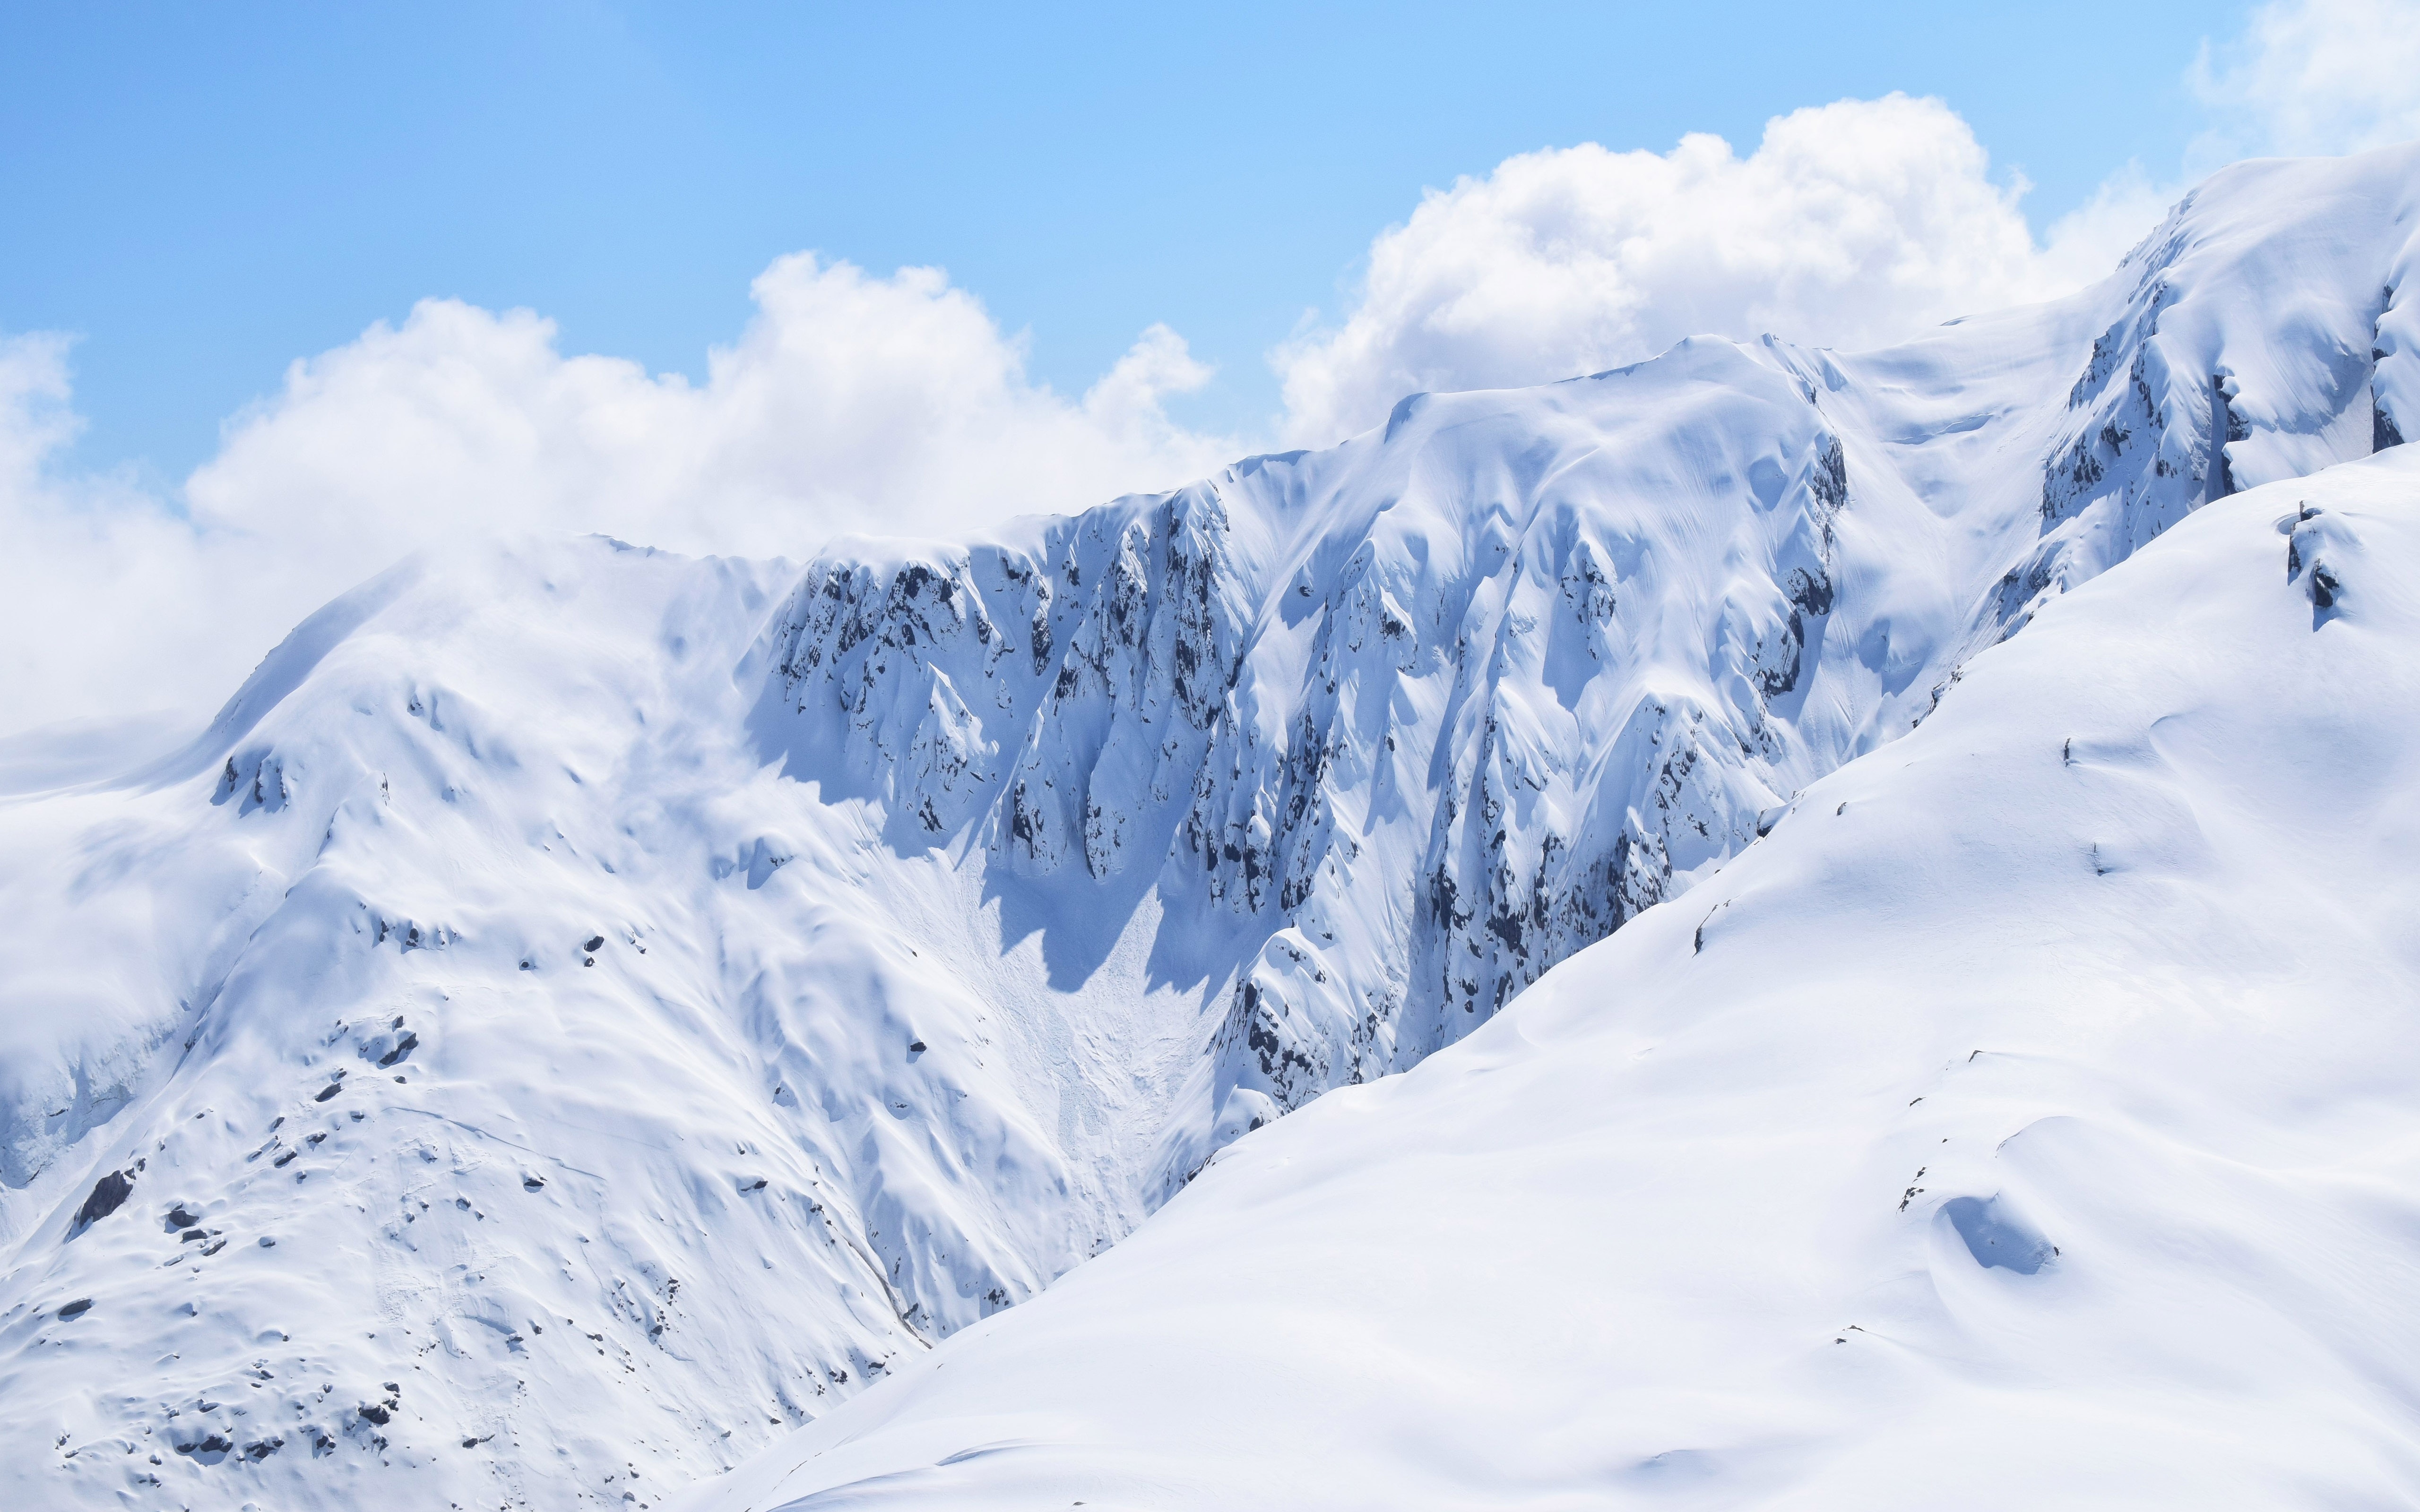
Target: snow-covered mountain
x,y
2026,1121
581,1012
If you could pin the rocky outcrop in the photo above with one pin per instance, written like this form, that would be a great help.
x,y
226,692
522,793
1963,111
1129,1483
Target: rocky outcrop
x,y
1040,689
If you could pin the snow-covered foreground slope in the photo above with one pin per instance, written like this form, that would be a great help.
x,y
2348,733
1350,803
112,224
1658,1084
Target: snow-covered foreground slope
x,y
581,1012
2026,1121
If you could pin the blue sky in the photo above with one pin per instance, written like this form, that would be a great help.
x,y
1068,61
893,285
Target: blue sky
x,y
203,195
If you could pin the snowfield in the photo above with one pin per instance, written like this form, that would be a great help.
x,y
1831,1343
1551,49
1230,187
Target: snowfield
x,y
582,1018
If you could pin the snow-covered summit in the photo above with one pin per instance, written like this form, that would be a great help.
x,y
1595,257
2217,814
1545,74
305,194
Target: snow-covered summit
x,y
581,1012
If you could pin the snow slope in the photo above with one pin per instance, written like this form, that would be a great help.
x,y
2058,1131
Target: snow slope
x,y
2026,1121
581,1012
514,1094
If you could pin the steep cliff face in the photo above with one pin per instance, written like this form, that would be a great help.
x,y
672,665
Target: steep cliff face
x,y
770,972
1539,666
2257,335
1422,715
1047,693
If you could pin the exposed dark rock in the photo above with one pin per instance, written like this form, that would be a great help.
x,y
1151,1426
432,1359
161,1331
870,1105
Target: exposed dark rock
x,y
2226,424
109,1194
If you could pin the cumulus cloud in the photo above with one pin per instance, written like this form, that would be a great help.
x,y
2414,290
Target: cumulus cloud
x,y
848,399
850,402
94,574
1851,225
855,402
2312,76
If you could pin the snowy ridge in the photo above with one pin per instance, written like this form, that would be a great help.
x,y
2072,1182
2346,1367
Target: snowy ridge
x,y
2267,333
645,1000
1520,665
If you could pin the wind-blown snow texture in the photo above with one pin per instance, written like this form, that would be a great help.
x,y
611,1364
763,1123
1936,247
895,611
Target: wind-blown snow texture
x,y
581,1012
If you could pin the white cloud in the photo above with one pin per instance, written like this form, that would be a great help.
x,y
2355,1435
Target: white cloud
x,y
855,402
2086,242
96,580
848,399
2312,76
850,402
1851,225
